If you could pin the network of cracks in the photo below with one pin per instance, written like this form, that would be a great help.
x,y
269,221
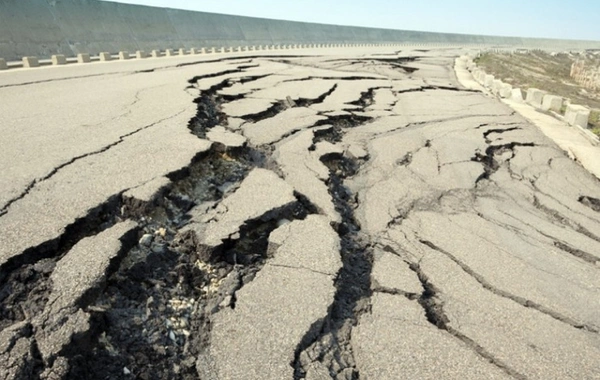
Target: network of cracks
x,y
150,313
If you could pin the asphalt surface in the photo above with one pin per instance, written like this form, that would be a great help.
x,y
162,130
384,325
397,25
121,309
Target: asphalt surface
x,y
347,214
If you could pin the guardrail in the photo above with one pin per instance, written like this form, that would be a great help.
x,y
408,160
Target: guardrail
x,y
60,59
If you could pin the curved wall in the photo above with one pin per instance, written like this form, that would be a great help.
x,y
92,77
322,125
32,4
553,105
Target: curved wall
x,y
45,27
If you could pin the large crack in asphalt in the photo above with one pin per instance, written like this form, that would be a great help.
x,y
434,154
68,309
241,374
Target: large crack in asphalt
x,y
25,278
517,299
489,161
156,292
432,303
166,287
328,341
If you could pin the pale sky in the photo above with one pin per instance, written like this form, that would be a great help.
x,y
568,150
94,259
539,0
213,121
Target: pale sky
x,y
565,19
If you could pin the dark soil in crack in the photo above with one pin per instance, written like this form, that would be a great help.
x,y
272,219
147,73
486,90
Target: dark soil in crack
x,y
152,320
337,124
366,98
267,114
489,161
328,342
25,280
593,203
309,102
160,292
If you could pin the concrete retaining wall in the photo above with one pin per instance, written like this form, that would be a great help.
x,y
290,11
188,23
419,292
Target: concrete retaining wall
x,y
45,27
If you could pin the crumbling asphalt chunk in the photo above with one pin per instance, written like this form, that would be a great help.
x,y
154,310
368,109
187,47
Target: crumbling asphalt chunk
x,y
490,159
263,345
76,281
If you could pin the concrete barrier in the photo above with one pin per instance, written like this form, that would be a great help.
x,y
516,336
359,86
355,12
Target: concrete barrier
x,y
3,65
496,86
30,62
182,52
169,53
193,51
105,56
155,53
123,55
577,115
535,97
516,95
505,91
83,58
140,54
481,77
59,59
552,103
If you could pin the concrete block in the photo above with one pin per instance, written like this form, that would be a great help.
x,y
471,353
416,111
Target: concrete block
x,y
488,81
552,103
535,97
3,65
105,56
83,58
516,95
156,53
222,50
505,91
496,86
169,53
30,62
193,51
182,52
59,59
212,50
140,54
203,51
123,55
577,115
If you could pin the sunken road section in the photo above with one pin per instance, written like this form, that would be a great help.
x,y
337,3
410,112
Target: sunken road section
x,y
345,217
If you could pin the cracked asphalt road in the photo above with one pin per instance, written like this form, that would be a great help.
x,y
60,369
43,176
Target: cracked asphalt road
x,y
345,214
